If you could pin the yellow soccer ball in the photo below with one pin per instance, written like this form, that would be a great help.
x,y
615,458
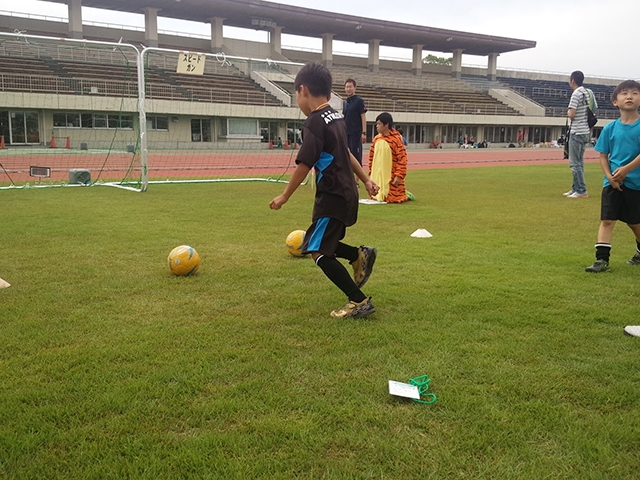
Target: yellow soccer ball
x,y
183,261
294,242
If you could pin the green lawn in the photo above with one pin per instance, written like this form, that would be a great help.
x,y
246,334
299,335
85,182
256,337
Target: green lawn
x,y
110,367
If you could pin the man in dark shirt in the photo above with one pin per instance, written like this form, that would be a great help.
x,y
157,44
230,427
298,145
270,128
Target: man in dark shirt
x,y
355,116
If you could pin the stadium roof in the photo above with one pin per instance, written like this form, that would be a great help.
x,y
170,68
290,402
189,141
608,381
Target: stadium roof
x,y
260,15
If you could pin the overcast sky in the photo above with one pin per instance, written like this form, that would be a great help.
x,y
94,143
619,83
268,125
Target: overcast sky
x,y
571,34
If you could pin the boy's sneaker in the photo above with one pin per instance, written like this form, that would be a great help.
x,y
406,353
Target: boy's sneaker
x,y
598,266
578,195
363,266
566,194
635,260
632,330
355,310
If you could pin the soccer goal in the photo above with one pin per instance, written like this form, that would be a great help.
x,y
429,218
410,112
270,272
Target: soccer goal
x,y
81,112
69,114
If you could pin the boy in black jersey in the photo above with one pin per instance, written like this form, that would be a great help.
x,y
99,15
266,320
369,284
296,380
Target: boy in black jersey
x,y
324,147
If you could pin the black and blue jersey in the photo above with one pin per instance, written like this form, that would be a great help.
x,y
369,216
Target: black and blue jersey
x,y
324,146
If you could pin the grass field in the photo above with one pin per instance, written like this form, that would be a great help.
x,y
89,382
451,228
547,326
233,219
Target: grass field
x,y
110,367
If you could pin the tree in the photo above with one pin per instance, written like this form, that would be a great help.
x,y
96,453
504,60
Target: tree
x,y
433,60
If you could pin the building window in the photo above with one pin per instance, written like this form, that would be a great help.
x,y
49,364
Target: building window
x,y
92,120
157,123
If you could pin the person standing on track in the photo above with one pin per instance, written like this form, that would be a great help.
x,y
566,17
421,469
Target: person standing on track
x,y
355,116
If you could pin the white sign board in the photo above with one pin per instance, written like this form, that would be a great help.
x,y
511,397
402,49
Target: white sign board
x,y
191,63
403,390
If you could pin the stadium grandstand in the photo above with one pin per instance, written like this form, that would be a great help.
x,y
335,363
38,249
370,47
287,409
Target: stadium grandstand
x,y
57,89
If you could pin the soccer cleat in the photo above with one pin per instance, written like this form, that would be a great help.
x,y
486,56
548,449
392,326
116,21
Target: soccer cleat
x,y
363,266
355,310
598,266
635,260
632,330
566,194
578,195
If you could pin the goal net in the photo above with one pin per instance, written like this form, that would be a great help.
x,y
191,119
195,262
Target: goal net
x,y
70,113
213,117
82,112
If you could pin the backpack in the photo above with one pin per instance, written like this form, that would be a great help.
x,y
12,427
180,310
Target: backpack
x,y
591,106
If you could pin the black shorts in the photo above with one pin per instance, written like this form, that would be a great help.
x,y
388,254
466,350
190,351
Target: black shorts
x,y
620,205
323,236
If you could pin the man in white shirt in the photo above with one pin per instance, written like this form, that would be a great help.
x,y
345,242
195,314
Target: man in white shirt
x,y
578,134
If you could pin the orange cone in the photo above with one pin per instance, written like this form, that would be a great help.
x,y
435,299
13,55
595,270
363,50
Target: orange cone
x,y
68,144
286,145
53,142
2,142
271,145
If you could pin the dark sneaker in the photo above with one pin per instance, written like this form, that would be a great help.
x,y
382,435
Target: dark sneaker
x,y
363,266
598,266
355,310
635,260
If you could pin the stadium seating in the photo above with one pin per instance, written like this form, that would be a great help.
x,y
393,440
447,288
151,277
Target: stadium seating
x,y
401,91
554,95
101,76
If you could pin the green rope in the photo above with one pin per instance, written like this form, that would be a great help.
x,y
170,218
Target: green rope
x,y
422,382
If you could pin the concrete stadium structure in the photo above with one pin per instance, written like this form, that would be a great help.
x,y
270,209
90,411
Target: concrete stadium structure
x,y
428,101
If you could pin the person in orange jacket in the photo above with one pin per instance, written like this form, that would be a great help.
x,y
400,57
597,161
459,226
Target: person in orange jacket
x,y
388,161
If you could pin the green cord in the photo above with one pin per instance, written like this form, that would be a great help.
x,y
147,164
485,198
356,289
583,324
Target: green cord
x,y
422,382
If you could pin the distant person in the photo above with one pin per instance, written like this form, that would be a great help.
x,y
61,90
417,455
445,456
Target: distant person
x,y
388,161
355,116
520,138
619,147
336,198
578,134
435,143
279,144
404,139
561,139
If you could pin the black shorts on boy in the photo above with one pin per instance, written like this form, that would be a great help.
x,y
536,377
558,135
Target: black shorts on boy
x,y
620,205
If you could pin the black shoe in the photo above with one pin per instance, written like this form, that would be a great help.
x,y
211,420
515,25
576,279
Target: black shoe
x,y
635,260
598,266
355,310
363,266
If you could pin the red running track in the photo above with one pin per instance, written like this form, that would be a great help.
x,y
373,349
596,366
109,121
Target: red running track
x,y
215,164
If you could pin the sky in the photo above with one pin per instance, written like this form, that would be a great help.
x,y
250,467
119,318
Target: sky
x,y
570,34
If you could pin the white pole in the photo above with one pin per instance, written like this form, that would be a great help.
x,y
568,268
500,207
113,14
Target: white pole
x,y
142,119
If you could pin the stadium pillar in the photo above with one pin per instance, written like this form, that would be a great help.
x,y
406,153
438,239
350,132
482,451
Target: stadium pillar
x,y
216,33
456,64
374,55
275,38
492,67
74,8
416,65
150,26
327,49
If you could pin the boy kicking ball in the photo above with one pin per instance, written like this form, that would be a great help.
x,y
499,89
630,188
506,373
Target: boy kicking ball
x,y
324,147
619,147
